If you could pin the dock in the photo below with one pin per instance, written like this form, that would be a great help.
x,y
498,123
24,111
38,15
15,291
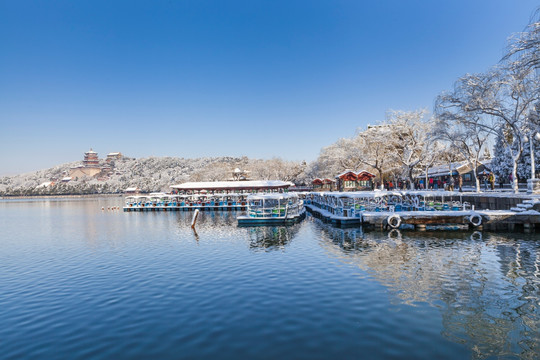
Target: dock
x,y
492,220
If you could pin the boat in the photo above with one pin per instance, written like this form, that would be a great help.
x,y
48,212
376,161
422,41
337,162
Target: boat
x,y
212,195
273,209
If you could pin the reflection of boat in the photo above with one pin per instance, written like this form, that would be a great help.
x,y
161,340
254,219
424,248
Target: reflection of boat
x,y
273,209
270,238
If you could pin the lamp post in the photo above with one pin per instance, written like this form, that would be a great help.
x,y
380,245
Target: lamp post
x,y
533,184
531,144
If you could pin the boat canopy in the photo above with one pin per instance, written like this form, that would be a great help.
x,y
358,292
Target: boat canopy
x,y
278,196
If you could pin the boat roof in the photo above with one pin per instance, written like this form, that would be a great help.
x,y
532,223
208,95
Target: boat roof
x,y
266,196
234,185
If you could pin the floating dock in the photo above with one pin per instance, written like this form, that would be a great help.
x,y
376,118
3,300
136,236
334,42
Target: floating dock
x,y
473,219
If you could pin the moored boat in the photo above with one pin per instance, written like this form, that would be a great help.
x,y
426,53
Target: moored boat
x,y
273,209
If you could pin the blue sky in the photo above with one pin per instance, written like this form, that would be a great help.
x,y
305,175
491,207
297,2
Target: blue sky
x,y
227,78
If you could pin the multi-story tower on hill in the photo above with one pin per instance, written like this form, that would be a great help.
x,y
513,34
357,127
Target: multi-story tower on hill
x,y
91,159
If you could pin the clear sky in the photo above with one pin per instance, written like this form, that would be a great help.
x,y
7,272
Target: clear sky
x,y
227,78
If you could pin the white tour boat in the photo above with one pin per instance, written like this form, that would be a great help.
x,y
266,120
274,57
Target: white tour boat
x,y
273,209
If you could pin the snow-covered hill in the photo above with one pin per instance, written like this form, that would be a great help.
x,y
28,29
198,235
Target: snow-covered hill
x,y
149,174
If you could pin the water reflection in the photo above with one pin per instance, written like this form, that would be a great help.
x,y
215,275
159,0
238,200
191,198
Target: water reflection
x,y
271,238
216,225
487,286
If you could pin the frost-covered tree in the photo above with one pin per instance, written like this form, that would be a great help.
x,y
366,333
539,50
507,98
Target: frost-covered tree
x,y
501,163
409,137
464,132
376,149
277,169
502,97
524,47
342,155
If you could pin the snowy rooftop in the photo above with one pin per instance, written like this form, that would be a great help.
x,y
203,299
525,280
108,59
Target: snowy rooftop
x,y
460,167
45,184
355,173
233,185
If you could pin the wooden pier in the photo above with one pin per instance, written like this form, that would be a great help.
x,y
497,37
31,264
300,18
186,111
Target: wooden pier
x,y
420,220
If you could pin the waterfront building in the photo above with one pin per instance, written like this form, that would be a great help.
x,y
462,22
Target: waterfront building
x,y
323,184
442,172
132,190
354,181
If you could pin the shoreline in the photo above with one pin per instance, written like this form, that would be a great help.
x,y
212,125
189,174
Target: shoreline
x,y
85,196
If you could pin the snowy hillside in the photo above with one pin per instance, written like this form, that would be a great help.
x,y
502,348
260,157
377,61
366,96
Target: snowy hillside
x,y
149,174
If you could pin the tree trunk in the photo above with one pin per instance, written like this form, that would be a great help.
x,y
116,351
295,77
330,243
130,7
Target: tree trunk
x,y
411,182
477,180
382,182
514,177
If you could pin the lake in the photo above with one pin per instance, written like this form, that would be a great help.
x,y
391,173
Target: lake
x,y
79,282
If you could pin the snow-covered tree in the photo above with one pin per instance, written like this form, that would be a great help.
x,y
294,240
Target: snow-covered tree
x,y
524,47
463,131
502,163
502,97
376,149
409,137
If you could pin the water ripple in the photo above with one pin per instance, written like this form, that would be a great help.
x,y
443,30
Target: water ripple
x,y
76,282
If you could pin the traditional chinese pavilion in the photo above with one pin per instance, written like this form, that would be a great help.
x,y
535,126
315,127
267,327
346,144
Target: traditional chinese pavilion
x,y
354,181
323,184
91,159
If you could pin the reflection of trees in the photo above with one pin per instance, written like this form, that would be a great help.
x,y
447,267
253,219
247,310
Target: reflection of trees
x,y
489,286
270,238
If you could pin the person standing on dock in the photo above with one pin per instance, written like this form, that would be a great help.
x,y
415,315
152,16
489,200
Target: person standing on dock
x,y
491,180
460,183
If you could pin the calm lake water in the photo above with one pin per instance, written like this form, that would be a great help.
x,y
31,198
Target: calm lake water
x,y
78,282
